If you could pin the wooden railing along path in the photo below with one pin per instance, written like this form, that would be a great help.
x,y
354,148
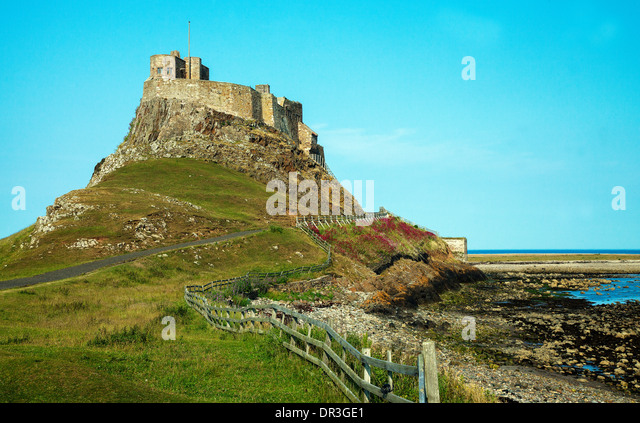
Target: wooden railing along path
x,y
321,352
329,354
302,223
265,275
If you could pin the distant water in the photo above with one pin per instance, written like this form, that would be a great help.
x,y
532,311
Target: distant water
x,y
553,251
625,287
622,288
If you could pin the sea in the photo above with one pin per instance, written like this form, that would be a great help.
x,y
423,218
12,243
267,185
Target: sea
x,y
621,289
553,252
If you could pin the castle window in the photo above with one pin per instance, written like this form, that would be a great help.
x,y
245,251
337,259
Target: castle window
x,y
159,71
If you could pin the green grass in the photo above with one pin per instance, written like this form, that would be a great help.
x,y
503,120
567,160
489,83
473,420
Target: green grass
x,y
221,192
201,365
374,245
97,338
159,189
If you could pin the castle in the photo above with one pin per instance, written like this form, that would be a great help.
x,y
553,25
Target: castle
x,y
172,77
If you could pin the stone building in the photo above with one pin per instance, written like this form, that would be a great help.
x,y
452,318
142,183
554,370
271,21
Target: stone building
x,y
174,78
171,66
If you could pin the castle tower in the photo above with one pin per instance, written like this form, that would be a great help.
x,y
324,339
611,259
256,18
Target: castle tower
x,y
172,77
171,66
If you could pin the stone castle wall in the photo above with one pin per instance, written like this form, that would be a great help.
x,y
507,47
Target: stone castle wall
x,y
237,100
233,99
458,247
308,138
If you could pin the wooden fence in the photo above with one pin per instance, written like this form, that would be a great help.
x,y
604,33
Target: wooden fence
x,y
302,223
265,275
349,368
322,221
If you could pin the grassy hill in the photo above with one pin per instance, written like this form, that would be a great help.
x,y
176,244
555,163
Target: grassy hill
x,y
142,205
378,244
97,338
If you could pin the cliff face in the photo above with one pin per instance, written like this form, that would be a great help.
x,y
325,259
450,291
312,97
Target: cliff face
x,y
400,265
166,129
160,187
169,128
409,283
181,129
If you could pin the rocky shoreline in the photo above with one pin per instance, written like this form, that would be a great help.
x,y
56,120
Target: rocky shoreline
x,y
530,345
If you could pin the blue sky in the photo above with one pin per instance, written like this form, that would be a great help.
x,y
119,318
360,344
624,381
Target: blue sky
x,y
525,156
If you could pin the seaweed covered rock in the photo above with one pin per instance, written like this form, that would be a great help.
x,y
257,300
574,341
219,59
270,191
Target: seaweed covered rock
x,y
409,283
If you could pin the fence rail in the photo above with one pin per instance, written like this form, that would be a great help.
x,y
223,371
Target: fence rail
x,y
326,247
260,318
322,162
321,221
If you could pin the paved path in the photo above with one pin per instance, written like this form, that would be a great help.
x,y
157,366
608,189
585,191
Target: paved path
x,y
70,272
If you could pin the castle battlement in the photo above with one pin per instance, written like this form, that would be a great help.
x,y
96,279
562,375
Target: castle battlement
x,y
168,80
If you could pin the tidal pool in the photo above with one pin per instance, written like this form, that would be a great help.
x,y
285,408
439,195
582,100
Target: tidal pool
x,y
621,289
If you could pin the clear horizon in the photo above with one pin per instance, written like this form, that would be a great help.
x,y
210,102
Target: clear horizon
x,y
559,250
523,157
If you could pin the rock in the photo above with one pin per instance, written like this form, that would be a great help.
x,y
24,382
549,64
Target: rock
x,y
182,129
83,243
408,283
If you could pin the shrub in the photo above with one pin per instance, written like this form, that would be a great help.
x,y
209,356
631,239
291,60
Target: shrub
x,y
12,340
178,311
276,229
124,336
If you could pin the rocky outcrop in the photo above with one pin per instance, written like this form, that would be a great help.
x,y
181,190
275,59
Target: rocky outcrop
x,y
172,129
69,211
409,283
406,283
66,207
181,129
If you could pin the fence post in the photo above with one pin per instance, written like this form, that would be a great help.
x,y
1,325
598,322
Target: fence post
x,y
430,371
275,317
306,344
327,341
252,324
282,322
422,396
366,373
389,372
294,327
